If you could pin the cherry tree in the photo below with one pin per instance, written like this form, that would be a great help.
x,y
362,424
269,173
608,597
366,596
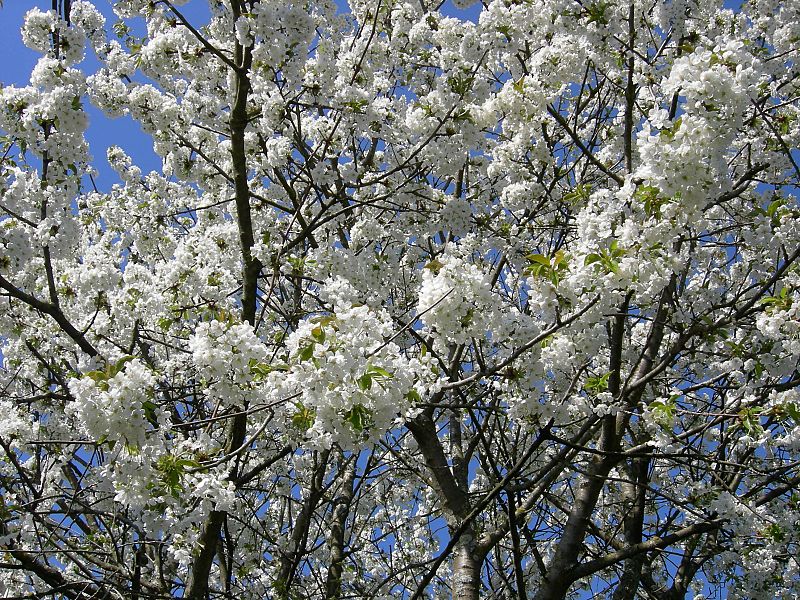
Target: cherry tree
x,y
426,301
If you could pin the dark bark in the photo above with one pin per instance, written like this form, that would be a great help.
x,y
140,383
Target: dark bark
x,y
467,560
336,538
560,572
455,498
290,560
198,584
563,569
53,311
56,580
635,492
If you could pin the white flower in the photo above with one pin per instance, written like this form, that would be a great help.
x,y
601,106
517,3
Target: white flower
x,y
224,350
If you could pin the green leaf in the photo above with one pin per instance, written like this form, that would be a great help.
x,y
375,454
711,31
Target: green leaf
x,y
413,396
306,352
758,370
775,532
150,414
560,258
597,12
118,366
434,266
773,207
597,384
364,382
171,469
120,29
793,411
460,84
580,195
325,321
552,268
750,420
318,334
539,259
606,258
375,370
664,411
260,370
359,417
784,122
781,301
372,374
358,106
648,195
304,418
669,132
96,376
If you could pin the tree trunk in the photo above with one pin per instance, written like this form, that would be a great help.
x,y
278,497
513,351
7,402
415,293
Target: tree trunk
x,y
633,523
289,560
333,582
466,569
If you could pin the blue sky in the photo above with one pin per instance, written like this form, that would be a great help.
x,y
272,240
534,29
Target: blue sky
x,y
18,61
